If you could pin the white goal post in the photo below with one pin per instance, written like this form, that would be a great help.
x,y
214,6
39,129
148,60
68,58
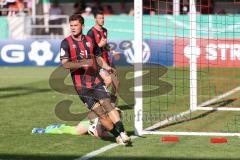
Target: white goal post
x,y
138,60
138,82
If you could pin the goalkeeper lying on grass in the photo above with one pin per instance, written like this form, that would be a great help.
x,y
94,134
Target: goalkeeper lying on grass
x,y
90,125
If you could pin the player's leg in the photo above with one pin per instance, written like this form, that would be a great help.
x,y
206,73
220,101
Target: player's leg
x,y
66,129
82,127
111,79
110,109
97,108
96,127
106,77
113,114
89,98
104,119
115,84
115,118
102,95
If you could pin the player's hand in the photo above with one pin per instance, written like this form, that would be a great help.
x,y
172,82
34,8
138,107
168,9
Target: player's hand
x,y
103,42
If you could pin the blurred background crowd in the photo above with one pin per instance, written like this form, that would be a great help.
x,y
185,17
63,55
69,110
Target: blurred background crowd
x,y
41,18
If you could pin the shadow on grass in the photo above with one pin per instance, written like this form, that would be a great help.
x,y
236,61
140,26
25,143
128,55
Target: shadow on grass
x,y
222,103
70,157
126,107
217,104
20,91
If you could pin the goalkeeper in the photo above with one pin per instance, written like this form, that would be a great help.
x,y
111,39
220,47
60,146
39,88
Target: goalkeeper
x,y
90,125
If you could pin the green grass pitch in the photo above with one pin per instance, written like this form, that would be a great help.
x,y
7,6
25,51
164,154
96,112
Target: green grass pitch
x,y
27,101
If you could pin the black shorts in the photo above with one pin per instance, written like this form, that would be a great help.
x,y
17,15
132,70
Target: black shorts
x,y
92,96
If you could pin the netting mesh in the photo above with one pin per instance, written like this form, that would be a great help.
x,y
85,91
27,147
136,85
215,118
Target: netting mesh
x,y
166,38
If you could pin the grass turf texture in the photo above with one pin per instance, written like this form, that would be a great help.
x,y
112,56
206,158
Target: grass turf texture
x,y
27,101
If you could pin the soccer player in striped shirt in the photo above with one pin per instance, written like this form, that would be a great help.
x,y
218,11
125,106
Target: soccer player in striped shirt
x,y
98,33
83,56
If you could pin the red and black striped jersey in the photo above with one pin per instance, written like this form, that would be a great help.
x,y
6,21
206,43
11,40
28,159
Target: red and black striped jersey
x,y
73,50
97,35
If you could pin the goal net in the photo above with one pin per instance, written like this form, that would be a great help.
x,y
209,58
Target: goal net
x,y
189,67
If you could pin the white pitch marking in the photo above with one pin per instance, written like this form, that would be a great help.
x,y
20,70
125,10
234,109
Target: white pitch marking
x,y
100,150
166,121
111,146
220,97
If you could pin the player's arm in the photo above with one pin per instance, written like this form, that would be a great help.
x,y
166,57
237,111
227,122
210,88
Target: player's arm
x,y
66,58
102,42
75,65
100,61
